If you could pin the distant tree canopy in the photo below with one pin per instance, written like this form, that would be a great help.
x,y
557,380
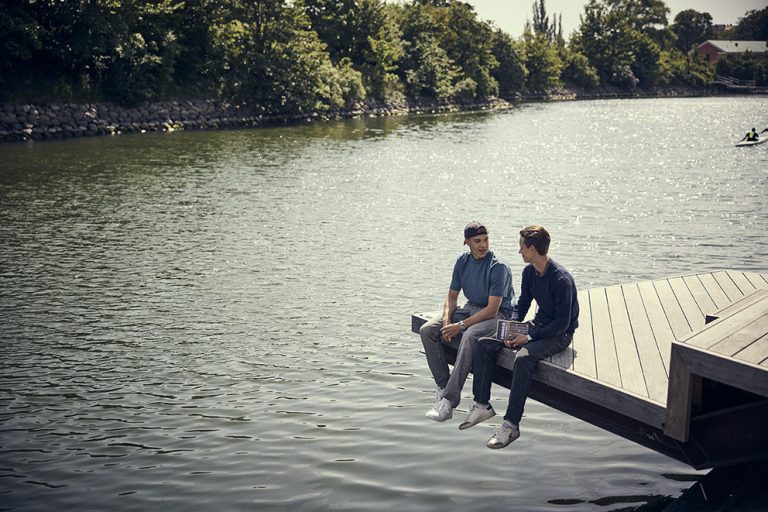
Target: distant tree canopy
x,y
315,55
691,28
753,26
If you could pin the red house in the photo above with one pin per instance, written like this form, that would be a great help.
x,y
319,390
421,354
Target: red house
x,y
711,50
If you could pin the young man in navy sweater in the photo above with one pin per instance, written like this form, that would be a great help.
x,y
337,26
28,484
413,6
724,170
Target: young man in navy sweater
x,y
550,332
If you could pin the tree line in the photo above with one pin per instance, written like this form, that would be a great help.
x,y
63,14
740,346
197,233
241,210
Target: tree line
x,y
318,55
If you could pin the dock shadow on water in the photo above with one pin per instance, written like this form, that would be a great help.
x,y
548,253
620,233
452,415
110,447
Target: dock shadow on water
x,y
221,319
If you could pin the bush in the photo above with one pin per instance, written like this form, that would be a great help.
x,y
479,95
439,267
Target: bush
x,y
350,82
579,72
466,89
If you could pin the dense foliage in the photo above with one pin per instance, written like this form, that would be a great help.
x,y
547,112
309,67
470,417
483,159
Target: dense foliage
x,y
315,55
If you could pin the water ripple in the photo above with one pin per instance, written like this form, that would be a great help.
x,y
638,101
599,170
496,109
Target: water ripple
x,y
222,319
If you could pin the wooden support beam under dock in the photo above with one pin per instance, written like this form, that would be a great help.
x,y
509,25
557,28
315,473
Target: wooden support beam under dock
x,y
679,365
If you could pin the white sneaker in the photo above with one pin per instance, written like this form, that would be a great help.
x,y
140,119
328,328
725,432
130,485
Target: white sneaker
x,y
439,392
443,410
477,414
505,435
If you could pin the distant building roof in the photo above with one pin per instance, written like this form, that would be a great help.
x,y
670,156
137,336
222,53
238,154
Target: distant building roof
x,y
738,46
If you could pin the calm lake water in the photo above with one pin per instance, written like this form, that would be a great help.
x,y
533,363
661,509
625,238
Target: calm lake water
x,y
221,320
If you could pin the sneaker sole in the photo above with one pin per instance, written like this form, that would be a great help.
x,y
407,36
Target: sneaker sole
x,y
438,418
498,446
469,424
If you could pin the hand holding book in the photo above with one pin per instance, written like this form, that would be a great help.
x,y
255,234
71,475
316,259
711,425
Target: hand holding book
x,y
507,329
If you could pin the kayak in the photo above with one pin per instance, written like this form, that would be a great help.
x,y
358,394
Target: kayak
x,y
752,142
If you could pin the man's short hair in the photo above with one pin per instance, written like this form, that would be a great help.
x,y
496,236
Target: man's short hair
x,y
474,228
536,236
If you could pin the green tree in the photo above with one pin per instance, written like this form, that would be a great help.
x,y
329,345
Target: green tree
x,y
385,55
623,39
648,17
744,67
577,70
465,42
200,69
753,26
468,42
605,38
678,68
542,62
511,72
642,15
272,59
645,64
431,73
366,33
691,28
20,41
143,61
553,31
122,49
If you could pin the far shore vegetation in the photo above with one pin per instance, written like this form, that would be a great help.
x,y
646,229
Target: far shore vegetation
x,y
296,56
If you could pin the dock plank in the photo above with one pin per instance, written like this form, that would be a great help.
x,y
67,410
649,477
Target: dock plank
x,y
757,280
630,368
563,359
599,392
583,340
734,322
756,353
661,328
742,339
703,300
605,346
741,282
672,309
714,290
729,287
656,373
693,314
742,303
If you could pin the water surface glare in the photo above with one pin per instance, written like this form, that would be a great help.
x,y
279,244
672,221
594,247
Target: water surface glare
x,y
221,320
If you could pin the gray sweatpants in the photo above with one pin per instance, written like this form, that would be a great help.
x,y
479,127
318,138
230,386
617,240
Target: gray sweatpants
x,y
434,347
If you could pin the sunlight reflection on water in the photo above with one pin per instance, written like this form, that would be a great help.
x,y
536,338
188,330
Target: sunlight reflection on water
x,y
221,319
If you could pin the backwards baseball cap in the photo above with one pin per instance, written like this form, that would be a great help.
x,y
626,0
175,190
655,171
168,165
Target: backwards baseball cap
x,y
474,228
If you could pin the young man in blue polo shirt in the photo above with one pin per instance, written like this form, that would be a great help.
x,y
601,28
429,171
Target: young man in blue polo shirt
x,y
487,285
551,331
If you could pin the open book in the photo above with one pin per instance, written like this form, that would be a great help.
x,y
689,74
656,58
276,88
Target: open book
x,y
505,329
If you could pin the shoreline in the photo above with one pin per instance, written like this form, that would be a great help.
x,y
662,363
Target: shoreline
x,y
55,121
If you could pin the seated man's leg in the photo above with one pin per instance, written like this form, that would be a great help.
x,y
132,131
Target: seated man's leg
x,y
465,358
526,360
432,341
486,352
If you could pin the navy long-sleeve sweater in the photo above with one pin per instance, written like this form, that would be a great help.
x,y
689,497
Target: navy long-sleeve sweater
x,y
556,298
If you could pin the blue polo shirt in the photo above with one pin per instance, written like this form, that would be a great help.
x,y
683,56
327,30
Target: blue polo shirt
x,y
480,279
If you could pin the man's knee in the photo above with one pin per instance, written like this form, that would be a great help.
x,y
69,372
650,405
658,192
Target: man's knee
x,y
485,346
430,331
475,332
524,358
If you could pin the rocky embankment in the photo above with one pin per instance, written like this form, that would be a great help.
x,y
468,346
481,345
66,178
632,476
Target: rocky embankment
x,y
24,122
64,120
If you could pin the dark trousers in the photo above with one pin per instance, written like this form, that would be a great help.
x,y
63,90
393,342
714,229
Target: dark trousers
x,y
526,360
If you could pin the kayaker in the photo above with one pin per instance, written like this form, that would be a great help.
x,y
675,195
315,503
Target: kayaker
x,y
751,135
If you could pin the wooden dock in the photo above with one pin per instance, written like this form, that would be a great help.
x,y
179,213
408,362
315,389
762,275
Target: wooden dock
x,y
679,365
